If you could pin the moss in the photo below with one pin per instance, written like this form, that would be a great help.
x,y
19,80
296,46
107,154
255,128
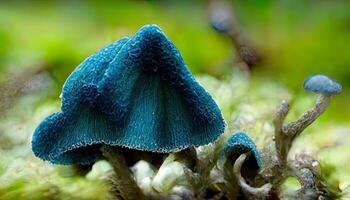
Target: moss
x,y
251,109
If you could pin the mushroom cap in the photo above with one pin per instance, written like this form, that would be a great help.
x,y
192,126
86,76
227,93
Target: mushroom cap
x,y
220,22
320,83
220,17
240,143
135,93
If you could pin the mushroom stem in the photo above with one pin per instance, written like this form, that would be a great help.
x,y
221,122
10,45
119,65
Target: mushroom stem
x,y
286,133
280,136
249,191
124,180
293,129
231,180
194,172
248,54
188,157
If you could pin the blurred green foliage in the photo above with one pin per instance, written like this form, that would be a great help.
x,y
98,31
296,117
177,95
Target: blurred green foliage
x,y
296,38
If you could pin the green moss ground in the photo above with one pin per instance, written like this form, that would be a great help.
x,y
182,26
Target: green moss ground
x,y
247,105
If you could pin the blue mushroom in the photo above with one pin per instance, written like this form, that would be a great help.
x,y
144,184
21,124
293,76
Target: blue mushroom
x,y
240,143
237,144
220,22
220,17
322,84
137,93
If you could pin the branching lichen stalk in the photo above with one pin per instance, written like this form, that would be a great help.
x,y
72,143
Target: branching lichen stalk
x,y
280,137
293,129
286,133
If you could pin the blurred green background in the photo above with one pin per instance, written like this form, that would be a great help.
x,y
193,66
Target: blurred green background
x,y
295,38
42,42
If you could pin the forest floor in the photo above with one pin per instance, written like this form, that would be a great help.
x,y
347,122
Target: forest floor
x,y
247,104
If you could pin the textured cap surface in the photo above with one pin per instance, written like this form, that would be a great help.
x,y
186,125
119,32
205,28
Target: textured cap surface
x,y
240,143
135,93
320,83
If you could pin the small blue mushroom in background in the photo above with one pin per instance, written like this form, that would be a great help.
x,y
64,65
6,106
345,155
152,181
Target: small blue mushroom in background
x,y
322,84
220,18
325,87
137,93
240,143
